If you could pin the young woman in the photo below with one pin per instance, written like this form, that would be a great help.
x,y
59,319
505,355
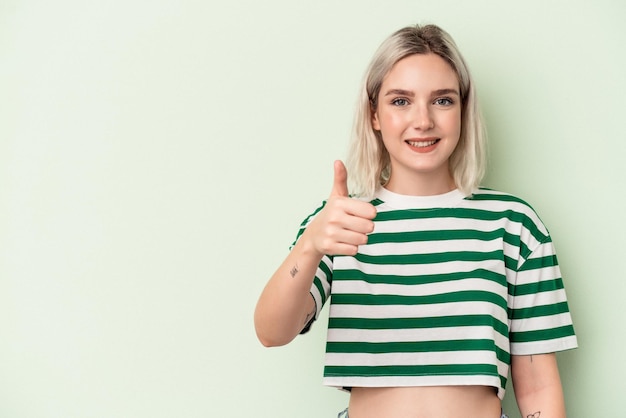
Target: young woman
x,y
439,288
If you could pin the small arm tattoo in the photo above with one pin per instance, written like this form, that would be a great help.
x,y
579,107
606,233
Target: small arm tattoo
x,y
294,271
309,316
535,415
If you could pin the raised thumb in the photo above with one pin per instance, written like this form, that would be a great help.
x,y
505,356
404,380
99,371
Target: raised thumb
x,y
340,181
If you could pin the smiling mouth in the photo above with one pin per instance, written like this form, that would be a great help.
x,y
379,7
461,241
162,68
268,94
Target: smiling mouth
x,y
423,144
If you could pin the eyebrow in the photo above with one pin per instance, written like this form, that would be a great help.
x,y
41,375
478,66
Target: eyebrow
x,y
446,91
408,93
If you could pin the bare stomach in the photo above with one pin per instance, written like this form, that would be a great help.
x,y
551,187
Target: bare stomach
x,y
424,402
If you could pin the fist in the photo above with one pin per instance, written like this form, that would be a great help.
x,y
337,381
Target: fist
x,y
344,223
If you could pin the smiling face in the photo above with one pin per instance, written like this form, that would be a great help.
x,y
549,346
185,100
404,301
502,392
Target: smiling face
x,y
418,115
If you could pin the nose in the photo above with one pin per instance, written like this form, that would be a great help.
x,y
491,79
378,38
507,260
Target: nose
x,y
422,118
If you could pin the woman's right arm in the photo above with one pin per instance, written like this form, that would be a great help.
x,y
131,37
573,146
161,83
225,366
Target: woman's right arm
x,y
286,305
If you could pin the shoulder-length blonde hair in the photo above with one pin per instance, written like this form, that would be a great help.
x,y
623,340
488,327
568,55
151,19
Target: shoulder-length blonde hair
x,y
368,161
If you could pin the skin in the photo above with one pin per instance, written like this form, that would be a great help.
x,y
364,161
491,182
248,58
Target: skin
x,y
537,386
419,104
286,305
419,100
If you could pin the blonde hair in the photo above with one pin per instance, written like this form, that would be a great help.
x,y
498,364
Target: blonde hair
x,y
368,161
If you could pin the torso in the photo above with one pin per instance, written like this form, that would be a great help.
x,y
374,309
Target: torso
x,y
424,402
420,318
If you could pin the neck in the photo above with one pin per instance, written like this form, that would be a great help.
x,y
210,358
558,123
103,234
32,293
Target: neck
x,y
422,185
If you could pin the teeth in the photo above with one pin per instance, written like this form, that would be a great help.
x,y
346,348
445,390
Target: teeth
x,y
421,144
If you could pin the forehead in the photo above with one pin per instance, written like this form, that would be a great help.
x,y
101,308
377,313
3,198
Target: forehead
x,y
421,72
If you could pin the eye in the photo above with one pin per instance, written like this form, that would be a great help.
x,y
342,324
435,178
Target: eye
x,y
400,101
444,101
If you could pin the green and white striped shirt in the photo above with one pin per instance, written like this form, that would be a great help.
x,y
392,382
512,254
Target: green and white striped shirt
x,y
447,288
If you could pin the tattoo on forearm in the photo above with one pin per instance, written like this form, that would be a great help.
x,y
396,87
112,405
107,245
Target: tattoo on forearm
x,y
294,270
535,415
309,316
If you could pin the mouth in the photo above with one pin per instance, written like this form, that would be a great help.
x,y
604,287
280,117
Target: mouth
x,y
423,143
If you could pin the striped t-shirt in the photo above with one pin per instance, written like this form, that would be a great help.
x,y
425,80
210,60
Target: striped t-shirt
x,y
447,288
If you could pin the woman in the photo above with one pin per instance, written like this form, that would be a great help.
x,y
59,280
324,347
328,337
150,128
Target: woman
x,y
439,288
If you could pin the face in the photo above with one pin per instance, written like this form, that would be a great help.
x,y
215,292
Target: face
x,y
419,117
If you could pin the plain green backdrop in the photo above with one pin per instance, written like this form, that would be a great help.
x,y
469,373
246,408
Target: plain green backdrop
x,y
157,157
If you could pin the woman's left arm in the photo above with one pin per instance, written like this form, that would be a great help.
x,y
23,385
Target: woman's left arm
x,y
537,386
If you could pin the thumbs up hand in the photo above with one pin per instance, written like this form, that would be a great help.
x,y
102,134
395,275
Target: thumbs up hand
x,y
340,180
343,224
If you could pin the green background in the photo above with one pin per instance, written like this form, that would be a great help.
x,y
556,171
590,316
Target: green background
x,y
157,157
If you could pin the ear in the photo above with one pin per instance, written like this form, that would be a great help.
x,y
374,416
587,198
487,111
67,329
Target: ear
x,y
375,121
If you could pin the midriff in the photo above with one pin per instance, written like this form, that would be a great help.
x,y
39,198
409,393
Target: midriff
x,y
424,402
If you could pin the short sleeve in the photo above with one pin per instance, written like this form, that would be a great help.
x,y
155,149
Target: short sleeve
x,y
540,320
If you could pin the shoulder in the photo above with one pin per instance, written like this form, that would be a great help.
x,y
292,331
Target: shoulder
x,y
483,194
510,206
490,199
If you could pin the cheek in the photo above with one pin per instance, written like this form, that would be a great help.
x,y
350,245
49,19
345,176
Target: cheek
x,y
459,125
390,122
452,123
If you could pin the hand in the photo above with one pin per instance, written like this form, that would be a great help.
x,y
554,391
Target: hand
x,y
343,224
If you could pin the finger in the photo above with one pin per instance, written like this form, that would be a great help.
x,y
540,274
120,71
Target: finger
x,y
344,249
360,208
340,180
353,238
358,224
344,243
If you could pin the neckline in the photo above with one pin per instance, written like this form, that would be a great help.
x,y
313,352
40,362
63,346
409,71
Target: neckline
x,y
401,201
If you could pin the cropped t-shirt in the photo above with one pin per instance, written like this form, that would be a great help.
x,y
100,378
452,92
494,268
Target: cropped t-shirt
x,y
446,289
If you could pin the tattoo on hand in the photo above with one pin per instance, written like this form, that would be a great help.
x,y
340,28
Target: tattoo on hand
x,y
535,415
294,270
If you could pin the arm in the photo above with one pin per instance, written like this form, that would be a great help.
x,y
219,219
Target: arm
x,y
285,305
537,386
